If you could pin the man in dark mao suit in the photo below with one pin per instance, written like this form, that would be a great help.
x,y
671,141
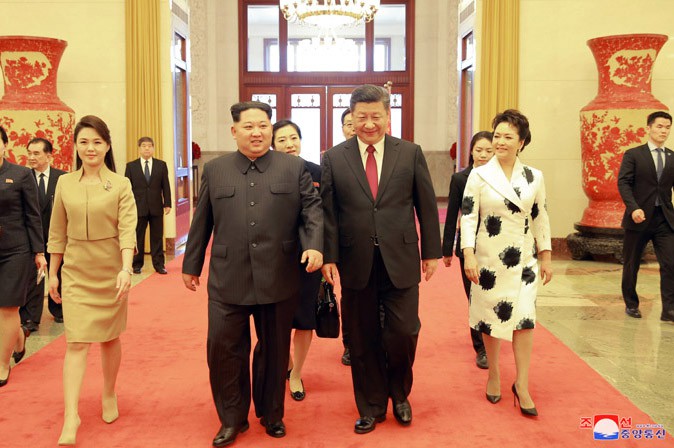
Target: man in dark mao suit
x,y
152,191
261,207
645,183
39,159
372,185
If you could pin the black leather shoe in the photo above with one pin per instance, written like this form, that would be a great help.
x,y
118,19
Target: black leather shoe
x,y
367,424
6,380
667,316
481,360
136,270
276,429
346,357
633,312
58,320
300,394
403,412
18,356
227,434
161,271
30,326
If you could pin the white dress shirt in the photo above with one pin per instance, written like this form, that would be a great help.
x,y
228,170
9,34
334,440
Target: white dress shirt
x,y
46,178
149,165
654,154
378,155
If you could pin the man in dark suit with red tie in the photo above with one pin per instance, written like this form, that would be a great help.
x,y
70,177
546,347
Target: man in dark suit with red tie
x,y
645,183
39,159
150,183
261,208
373,186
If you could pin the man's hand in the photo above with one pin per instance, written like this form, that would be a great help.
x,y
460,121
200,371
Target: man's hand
x,y
313,258
167,210
428,267
638,216
191,281
330,273
447,261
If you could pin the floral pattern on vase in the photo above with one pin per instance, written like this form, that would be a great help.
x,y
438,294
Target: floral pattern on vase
x,y
615,120
30,106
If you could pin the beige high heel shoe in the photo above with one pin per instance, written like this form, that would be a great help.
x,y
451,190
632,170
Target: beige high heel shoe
x,y
69,431
110,411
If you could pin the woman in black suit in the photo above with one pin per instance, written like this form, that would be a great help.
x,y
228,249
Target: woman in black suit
x,y
480,153
287,138
21,244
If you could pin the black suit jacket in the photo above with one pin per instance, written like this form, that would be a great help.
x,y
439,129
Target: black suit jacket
x,y
259,219
638,186
20,223
45,210
153,197
353,218
456,188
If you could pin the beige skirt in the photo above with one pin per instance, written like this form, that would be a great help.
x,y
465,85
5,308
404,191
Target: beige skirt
x,y
91,313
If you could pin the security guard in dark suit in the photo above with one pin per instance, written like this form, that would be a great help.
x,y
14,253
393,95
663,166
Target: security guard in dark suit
x,y
40,159
261,207
645,184
152,191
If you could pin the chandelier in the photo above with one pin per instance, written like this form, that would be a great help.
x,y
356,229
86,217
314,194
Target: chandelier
x,y
329,13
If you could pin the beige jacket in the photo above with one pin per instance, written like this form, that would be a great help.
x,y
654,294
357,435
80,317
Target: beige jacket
x,y
93,213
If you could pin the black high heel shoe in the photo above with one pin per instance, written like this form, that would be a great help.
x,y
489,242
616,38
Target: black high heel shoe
x,y
6,380
493,399
528,412
18,356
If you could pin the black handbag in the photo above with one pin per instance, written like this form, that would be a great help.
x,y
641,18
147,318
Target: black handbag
x,y
327,312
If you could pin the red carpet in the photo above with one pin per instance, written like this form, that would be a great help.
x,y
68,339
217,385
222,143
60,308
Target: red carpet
x,y
164,397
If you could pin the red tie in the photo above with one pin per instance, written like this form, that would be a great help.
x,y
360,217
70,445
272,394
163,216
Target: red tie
x,y
371,171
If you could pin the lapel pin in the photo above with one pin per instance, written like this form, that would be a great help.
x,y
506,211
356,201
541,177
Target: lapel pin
x,y
9,181
108,185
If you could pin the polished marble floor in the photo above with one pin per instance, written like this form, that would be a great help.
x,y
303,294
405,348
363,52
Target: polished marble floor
x,y
582,307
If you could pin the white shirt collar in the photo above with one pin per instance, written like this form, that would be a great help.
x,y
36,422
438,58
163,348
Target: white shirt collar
x,y
378,147
45,172
652,146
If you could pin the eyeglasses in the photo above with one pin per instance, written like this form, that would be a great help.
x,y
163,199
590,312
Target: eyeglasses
x,y
348,125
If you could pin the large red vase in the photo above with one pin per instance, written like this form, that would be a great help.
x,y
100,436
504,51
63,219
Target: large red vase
x,y
615,120
30,106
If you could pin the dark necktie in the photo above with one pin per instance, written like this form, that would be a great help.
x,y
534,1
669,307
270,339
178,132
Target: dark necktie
x,y
371,171
42,193
147,171
659,167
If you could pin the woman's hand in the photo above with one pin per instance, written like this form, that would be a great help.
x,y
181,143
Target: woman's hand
x,y
545,258
470,265
447,261
123,285
54,288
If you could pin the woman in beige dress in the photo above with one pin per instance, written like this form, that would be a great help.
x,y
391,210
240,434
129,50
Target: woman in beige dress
x,y
93,232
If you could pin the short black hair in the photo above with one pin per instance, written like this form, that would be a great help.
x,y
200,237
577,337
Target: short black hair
x,y
145,139
368,93
282,124
346,112
46,144
243,106
3,135
659,114
486,135
518,121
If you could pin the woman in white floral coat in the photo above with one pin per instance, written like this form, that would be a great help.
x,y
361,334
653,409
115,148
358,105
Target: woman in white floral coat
x,y
505,231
